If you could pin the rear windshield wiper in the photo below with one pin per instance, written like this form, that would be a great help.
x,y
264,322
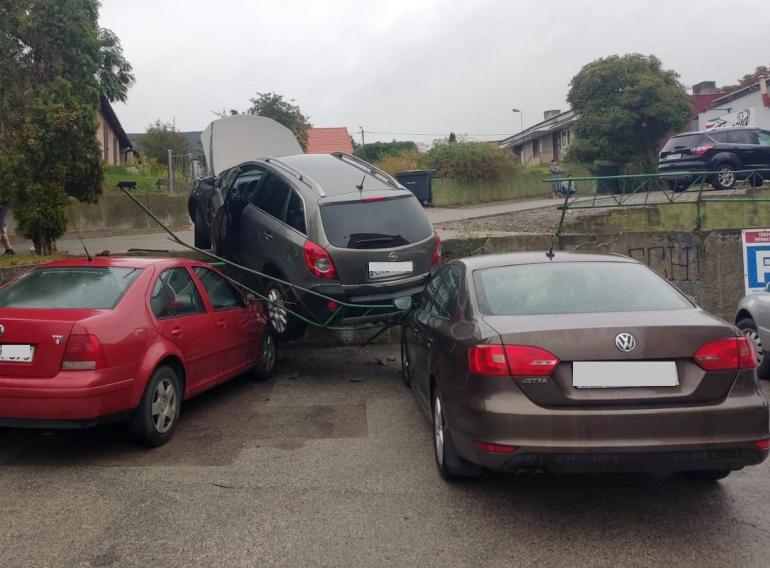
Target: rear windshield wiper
x,y
370,238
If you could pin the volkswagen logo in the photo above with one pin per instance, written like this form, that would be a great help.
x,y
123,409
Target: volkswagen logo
x,y
625,342
393,255
2,329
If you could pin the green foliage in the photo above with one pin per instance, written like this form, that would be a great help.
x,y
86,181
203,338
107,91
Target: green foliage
x,y
159,138
452,137
116,74
145,177
627,105
470,161
375,151
51,64
272,105
403,162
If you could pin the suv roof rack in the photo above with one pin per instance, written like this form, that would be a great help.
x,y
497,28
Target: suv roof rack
x,y
363,165
307,180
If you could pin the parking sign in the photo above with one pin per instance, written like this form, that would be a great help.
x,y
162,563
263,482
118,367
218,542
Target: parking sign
x,y
756,260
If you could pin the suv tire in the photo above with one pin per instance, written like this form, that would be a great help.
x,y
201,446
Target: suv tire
x,y
202,236
724,178
282,325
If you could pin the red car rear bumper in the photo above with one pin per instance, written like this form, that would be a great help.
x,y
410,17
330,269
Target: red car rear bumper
x,y
80,397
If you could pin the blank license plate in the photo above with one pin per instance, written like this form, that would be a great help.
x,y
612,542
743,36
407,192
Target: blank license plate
x,y
674,156
388,269
16,353
618,374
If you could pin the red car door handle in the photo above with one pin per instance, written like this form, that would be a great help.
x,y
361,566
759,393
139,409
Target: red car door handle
x,y
176,332
222,323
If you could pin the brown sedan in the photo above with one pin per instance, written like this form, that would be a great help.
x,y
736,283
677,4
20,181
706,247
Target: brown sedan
x,y
579,363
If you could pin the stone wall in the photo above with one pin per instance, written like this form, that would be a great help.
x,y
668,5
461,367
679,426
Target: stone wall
x,y
706,266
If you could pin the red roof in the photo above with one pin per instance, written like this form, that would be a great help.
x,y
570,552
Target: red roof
x,y
328,140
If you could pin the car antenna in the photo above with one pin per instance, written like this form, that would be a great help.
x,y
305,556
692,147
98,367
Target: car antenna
x,y
550,254
360,186
82,242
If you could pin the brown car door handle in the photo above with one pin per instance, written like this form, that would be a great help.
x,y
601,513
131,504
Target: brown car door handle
x,y
176,332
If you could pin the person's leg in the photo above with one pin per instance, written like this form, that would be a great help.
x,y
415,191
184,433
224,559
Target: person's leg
x,y
5,241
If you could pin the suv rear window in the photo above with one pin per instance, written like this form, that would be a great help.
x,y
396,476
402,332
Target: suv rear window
x,y
574,288
69,287
376,224
686,141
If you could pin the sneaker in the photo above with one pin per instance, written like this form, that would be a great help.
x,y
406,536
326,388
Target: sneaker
x,y
9,252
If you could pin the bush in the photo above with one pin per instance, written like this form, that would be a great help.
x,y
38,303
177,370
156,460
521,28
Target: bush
x,y
470,161
403,162
376,151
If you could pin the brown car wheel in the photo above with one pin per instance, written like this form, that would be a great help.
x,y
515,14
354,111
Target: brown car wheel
x,y
450,466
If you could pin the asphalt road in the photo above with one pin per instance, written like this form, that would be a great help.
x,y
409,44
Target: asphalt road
x,y
330,464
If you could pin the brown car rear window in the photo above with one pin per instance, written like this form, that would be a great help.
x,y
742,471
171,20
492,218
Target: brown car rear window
x,y
574,288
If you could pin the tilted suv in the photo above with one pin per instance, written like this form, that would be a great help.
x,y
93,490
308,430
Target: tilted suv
x,y
329,223
727,152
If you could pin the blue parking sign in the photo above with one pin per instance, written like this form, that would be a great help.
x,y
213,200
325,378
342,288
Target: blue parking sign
x,y
756,260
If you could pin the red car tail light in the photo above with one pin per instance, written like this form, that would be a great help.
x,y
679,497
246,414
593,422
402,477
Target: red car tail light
x,y
700,150
437,249
731,353
511,360
319,261
83,353
492,448
526,361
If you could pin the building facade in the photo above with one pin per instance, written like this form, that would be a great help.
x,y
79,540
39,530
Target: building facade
x,y
749,106
546,140
116,147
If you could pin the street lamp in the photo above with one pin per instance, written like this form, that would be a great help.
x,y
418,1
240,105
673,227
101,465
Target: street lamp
x,y
521,116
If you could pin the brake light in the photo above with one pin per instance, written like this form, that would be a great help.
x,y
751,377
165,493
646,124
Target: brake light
x,y
319,261
511,360
700,150
436,249
492,448
731,353
370,199
762,444
83,353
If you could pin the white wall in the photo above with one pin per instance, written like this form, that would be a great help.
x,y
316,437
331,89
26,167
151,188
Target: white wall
x,y
752,101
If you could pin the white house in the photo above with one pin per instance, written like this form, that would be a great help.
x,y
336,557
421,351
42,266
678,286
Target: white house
x,y
749,106
544,141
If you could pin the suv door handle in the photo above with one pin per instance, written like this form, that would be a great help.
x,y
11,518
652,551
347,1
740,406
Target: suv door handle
x,y
268,235
176,332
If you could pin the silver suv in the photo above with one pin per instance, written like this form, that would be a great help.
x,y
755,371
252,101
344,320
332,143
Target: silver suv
x,y
330,223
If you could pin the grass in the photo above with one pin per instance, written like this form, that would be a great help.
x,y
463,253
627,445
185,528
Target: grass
x,y
27,259
145,182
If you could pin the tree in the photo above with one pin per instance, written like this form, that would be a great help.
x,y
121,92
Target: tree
x,y
470,161
376,151
272,105
159,138
627,105
749,79
55,64
452,137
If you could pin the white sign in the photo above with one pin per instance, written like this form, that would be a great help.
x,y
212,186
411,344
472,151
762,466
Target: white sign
x,y
743,117
756,260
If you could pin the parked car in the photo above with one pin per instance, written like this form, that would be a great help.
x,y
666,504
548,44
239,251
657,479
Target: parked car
x,y
328,223
728,152
579,362
85,342
753,319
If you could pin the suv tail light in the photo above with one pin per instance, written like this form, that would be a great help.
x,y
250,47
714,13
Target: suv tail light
x,y
731,353
511,360
83,353
436,249
700,150
319,261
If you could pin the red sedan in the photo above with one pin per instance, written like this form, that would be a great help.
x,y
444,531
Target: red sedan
x,y
85,342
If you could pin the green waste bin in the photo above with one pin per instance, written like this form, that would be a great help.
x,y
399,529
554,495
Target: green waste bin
x,y
603,169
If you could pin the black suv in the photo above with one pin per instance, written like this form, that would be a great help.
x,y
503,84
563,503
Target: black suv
x,y
727,152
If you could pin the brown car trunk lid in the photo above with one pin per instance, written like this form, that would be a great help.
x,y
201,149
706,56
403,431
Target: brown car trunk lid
x,y
660,336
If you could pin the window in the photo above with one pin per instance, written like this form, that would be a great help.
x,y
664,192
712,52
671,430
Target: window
x,y
445,300
175,295
271,197
246,183
740,137
574,288
222,294
295,213
69,287
764,138
719,137
536,148
680,142
426,301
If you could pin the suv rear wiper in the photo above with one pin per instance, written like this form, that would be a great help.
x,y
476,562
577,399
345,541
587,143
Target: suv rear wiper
x,y
372,238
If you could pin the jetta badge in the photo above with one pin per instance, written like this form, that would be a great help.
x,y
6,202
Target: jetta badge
x,y
393,255
625,342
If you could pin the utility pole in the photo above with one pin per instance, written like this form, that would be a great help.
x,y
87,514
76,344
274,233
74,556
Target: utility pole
x,y
362,135
170,171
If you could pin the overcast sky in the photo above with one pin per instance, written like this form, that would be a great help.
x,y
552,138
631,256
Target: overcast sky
x,y
402,67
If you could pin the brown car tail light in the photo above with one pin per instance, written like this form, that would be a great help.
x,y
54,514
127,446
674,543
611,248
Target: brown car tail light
x,y
729,354
436,249
492,448
83,353
700,150
511,360
319,261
